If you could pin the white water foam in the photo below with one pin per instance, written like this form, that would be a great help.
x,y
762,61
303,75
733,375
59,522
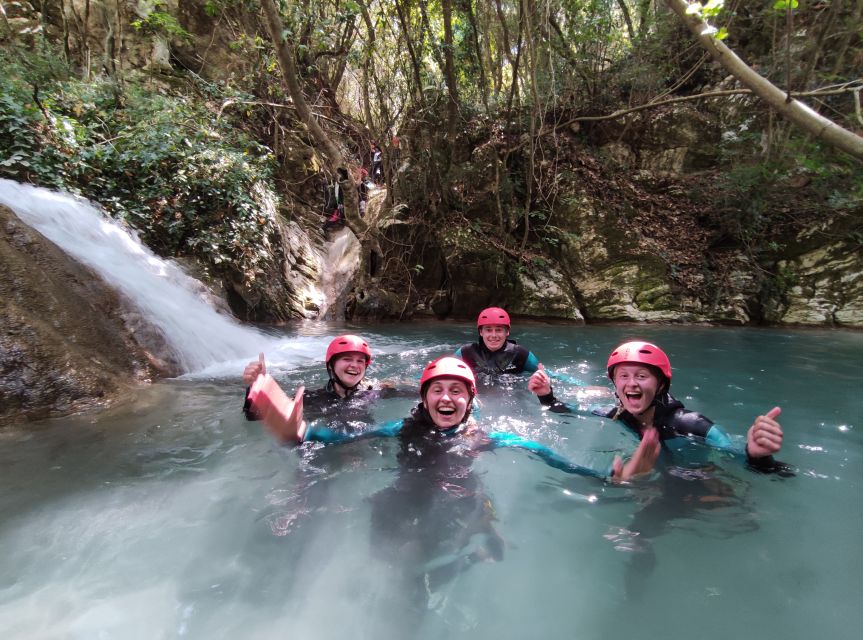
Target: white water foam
x,y
204,340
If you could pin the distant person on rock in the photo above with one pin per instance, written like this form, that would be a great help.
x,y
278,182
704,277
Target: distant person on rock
x,y
377,164
395,156
334,203
361,176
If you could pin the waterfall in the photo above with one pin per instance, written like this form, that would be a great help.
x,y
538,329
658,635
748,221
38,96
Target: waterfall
x,y
204,340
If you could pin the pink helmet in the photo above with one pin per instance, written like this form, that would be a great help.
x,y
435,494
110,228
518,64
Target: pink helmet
x,y
492,315
348,344
639,353
451,367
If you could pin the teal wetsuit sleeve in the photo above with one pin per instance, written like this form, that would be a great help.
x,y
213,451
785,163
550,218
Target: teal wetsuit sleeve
x,y
550,457
532,363
322,433
457,353
718,439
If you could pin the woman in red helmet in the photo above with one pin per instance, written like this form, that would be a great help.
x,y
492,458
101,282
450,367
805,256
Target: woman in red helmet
x,y
344,401
494,352
641,374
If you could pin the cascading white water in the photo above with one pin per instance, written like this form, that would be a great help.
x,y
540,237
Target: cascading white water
x,y
203,339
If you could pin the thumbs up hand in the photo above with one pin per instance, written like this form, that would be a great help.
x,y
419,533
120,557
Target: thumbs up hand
x,y
254,369
765,435
539,382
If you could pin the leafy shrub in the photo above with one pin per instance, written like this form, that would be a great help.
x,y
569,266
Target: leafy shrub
x,y
189,183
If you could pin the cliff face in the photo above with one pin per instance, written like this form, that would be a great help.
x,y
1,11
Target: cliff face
x,y
65,341
647,226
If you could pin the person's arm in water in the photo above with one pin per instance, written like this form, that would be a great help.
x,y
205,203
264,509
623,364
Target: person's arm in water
x,y
316,432
763,439
641,462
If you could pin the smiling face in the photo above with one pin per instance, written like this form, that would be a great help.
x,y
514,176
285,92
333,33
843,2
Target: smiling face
x,y
494,336
636,385
447,401
350,368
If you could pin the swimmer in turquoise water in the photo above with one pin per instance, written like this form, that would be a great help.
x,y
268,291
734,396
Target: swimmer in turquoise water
x,y
494,353
345,401
689,488
641,374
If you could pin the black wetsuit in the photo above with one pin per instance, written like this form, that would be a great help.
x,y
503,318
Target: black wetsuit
x,y
513,358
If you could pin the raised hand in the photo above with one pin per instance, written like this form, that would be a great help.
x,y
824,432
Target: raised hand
x,y
281,415
765,435
539,382
641,461
254,369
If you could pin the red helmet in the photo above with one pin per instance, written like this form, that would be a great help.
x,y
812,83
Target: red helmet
x,y
640,353
348,344
451,367
492,315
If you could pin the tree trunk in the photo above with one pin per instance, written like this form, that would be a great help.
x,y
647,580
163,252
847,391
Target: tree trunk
x,y
513,89
479,59
624,10
850,33
798,113
6,26
331,152
415,65
449,75
339,72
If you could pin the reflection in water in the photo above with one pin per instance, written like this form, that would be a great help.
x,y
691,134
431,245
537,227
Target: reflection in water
x,y
432,523
702,500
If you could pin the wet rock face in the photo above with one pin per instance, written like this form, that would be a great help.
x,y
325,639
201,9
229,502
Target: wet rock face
x,y
64,345
824,285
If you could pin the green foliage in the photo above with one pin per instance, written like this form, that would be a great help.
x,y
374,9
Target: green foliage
x,y
212,8
784,5
159,22
191,184
743,208
710,9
